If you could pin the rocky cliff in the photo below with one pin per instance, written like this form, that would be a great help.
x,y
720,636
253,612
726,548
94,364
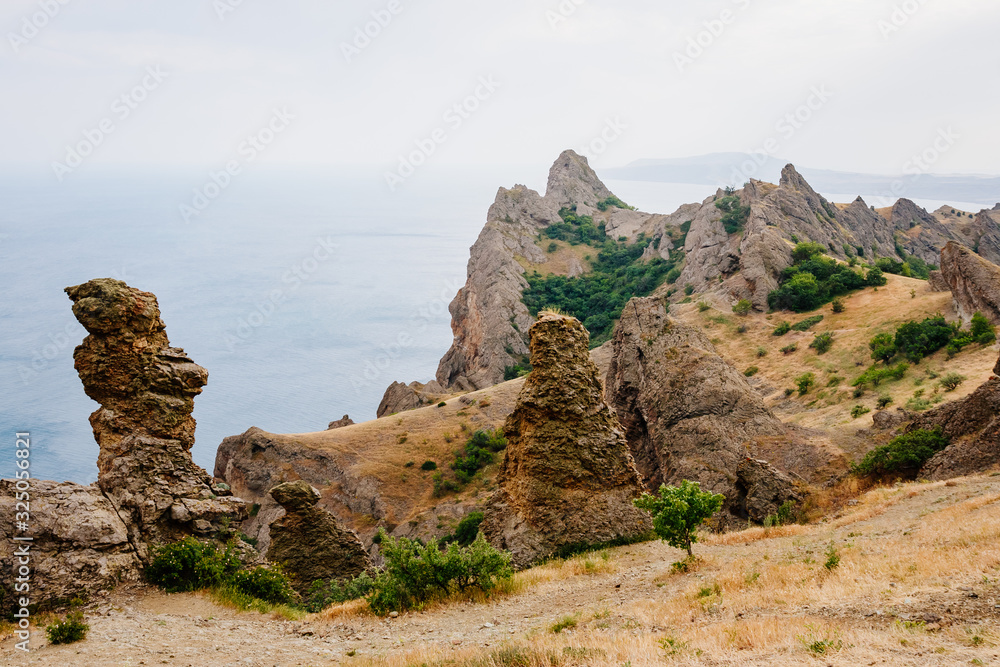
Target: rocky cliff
x,y
144,427
973,281
567,478
687,413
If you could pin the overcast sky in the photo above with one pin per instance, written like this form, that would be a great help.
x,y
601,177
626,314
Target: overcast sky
x,y
885,78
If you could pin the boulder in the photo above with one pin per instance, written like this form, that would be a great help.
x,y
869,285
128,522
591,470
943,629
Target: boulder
x,y
567,478
340,423
309,543
973,281
687,413
79,545
144,427
763,489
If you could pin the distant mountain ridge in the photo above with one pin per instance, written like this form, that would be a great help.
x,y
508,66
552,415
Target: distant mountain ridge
x,y
722,169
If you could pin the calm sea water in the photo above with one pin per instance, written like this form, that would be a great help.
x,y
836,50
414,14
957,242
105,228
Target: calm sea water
x,y
294,290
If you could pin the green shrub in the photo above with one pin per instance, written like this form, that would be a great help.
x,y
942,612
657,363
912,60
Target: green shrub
x,y
190,565
875,278
269,585
70,629
513,372
703,306
981,330
678,511
822,343
788,349
916,340
478,453
781,329
876,376
808,323
858,411
613,201
734,215
750,372
761,352
904,453
415,574
813,280
782,517
883,401
553,246
838,305
322,593
883,347
743,307
951,381
832,557
688,289
805,382
428,465
466,530
806,251
565,623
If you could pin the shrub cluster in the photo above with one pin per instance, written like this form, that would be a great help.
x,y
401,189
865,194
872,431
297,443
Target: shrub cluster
x,y
808,323
597,298
322,593
615,202
190,565
822,343
70,629
734,215
781,329
906,453
814,280
915,340
875,375
479,451
575,229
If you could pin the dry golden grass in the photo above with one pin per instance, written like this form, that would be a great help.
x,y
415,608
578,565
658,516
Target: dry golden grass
x,y
770,599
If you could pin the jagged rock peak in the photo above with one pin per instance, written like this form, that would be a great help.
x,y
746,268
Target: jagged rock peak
x,y
572,181
791,178
144,426
567,477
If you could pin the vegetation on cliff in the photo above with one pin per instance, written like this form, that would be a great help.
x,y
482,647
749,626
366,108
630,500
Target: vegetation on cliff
x,y
814,280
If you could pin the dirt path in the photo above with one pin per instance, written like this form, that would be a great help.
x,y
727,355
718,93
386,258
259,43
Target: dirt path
x,y
889,601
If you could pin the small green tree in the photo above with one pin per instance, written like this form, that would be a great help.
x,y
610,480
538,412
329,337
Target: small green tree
x,y
805,382
838,304
678,511
883,347
743,307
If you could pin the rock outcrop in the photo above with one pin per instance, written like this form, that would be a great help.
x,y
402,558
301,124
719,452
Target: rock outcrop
x,y
567,477
687,413
309,543
763,489
340,423
973,281
972,424
144,427
401,397
79,545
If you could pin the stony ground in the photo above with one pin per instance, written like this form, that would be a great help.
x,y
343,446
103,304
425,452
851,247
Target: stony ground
x,y
917,584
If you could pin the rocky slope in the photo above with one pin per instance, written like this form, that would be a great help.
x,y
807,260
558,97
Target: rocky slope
x,y
687,413
973,281
567,478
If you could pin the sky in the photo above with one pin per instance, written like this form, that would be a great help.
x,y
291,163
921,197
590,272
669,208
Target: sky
x,y
856,85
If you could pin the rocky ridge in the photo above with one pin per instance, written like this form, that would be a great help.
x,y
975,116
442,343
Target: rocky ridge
x,y
567,478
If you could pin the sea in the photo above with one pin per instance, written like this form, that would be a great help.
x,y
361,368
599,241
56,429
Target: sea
x,y
304,292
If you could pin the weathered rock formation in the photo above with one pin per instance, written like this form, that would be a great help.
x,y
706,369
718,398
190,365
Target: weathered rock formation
x,y
973,281
763,489
144,425
400,397
340,423
308,541
687,413
79,544
567,477
972,424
